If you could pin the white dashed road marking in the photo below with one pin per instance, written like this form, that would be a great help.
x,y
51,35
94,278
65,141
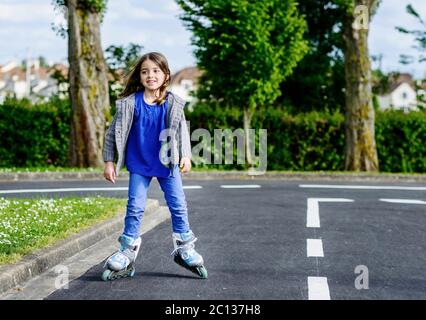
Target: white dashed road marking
x,y
318,288
314,248
313,219
329,186
239,186
407,201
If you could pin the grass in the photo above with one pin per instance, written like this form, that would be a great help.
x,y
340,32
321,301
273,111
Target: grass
x,y
30,224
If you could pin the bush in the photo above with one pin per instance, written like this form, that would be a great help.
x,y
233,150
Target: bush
x,y
316,140
401,141
38,136
34,135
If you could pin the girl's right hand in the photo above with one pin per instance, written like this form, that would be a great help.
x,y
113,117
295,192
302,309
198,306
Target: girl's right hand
x,y
109,171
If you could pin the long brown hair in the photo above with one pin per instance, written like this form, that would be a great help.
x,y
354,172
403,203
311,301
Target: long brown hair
x,y
133,83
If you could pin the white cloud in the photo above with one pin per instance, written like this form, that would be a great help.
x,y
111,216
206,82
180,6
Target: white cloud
x,y
18,12
384,39
173,7
156,26
129,10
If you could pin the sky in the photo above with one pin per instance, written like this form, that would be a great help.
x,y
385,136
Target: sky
x,y
25,31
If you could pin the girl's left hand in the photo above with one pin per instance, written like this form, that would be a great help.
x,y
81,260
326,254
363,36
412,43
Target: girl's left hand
x,y
185,165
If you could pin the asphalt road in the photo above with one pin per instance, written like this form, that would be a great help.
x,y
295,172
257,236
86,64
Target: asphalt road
x,y
273,240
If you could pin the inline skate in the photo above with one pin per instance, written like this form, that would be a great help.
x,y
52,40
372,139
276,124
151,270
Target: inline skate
x,y
185,254
121,264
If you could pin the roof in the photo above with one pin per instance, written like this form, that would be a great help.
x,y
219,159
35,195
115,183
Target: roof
x,y
400,78
16,71
63,69
42,73
189,73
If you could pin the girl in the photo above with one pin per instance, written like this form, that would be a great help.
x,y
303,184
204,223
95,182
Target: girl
x,y
150,134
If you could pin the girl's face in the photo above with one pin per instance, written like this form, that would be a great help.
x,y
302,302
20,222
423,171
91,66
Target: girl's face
x,y
152,77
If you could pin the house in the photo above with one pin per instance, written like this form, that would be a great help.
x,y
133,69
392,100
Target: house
x,y
402,94
35,82
13,80
184,82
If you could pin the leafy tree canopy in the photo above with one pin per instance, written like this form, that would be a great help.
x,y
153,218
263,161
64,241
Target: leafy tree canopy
x,y
245,48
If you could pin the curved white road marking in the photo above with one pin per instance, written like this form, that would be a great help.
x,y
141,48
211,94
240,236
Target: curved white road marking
x,y
313,219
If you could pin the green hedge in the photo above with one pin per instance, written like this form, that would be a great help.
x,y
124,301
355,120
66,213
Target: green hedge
x,y
316,140
38,136
34,135
401,141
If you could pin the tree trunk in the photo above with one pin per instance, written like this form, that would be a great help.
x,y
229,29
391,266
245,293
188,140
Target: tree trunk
x,y
249,144
361,153
88,87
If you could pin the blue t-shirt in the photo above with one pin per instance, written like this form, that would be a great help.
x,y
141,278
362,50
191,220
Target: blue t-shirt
x,y
143,145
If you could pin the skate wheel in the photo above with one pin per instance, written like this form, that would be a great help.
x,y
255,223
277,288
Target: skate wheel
x,y
132,273
202,272
106,275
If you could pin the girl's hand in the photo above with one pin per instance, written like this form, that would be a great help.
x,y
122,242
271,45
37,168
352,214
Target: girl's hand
x,y
109,171
185,165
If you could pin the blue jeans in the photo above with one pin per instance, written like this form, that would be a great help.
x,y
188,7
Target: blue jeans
x,y
173,194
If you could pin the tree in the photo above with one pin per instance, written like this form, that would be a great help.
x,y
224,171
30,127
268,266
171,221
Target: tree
x,y
88,81
120,60
43,62
361,152
318,79
246,49
61,77
420,38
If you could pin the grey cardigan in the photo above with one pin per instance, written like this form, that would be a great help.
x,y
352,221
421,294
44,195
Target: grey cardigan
x,y
177,136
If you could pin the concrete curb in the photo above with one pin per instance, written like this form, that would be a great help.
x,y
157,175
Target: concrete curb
x,y
225,175
29,176
44,259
